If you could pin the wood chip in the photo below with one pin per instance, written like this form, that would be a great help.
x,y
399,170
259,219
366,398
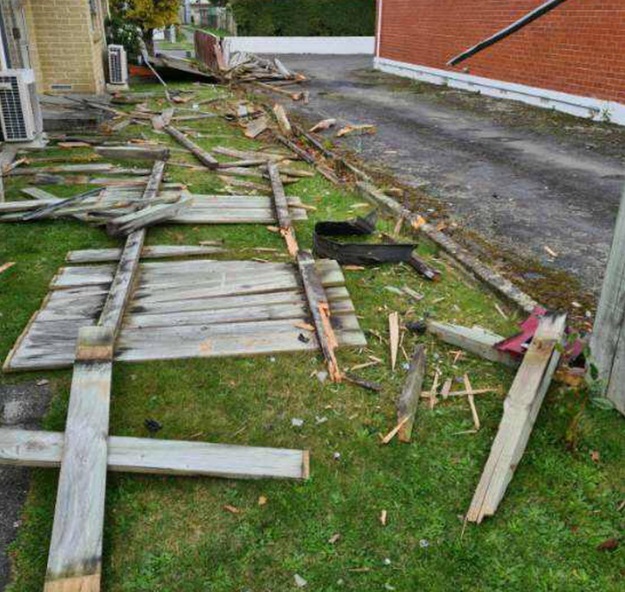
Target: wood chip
x,y
471,399
323,125
383,517
386,439
550,251
358,129
231,509
393,328
6,266
501,311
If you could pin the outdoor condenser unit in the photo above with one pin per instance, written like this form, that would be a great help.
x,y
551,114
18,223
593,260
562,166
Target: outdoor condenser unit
x,y
20,115
118,64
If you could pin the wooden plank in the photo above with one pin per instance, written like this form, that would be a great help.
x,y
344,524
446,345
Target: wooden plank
x,y
202,155
75,557
521,408
216,316
320,311
211,341
155,252
161,457
133,152
149,216
408,401
219,303
120,292
607,343
282,210
475,340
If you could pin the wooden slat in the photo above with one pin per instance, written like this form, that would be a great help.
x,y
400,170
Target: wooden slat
x,y
127,152
161,457
231,339
75,557
219,303
216,316
149,216
521,408
156,252
475,340
202,155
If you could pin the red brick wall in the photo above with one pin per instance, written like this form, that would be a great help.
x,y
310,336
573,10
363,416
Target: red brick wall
x,y
578,48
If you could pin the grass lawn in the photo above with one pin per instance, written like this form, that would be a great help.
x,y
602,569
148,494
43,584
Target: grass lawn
x,y
172,534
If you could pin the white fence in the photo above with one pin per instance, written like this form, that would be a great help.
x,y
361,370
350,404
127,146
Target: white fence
x,y
303,45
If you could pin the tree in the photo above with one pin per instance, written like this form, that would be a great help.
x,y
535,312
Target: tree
x,y
147,15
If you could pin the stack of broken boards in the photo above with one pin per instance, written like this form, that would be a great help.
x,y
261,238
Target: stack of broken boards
x,y
185,309
123,201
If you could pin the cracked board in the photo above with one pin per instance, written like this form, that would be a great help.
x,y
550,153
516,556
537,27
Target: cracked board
x,y
186,309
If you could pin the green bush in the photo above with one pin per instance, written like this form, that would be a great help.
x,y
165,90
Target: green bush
x,y
305,18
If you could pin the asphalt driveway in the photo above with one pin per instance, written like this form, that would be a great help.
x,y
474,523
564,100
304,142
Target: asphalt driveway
x,y
523,178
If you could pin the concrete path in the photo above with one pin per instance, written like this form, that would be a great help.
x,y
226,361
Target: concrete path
x,y
523,178
21,407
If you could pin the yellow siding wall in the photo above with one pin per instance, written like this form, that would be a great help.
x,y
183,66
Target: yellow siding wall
x,y
67,45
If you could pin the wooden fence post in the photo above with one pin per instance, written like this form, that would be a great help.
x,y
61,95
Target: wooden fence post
x,y
608,339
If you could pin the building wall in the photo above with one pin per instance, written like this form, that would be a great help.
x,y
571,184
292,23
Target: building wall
x,y
578,48
67,43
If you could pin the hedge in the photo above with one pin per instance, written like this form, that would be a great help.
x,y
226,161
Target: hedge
x,y
305,18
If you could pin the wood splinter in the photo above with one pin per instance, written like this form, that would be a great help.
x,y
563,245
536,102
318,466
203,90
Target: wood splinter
x,y
408,401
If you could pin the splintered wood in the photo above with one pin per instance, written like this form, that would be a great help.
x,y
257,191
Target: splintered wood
x,y
118,207
521,408
282,211
409,399
187,309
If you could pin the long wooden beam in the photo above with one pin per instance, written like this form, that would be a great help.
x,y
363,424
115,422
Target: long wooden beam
x,y
475,340
320,311
521,409
75,557
167,457
202,155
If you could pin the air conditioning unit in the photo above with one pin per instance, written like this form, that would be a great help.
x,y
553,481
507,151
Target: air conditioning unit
x,y
118,64
20,114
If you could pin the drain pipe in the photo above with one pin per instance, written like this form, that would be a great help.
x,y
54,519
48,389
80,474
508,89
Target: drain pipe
x,y
513,28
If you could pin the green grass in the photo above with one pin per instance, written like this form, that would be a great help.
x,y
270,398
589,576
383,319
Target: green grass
x,y
166,533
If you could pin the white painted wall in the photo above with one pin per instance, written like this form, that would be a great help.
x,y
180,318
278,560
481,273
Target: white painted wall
x,y
580,106
303,45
